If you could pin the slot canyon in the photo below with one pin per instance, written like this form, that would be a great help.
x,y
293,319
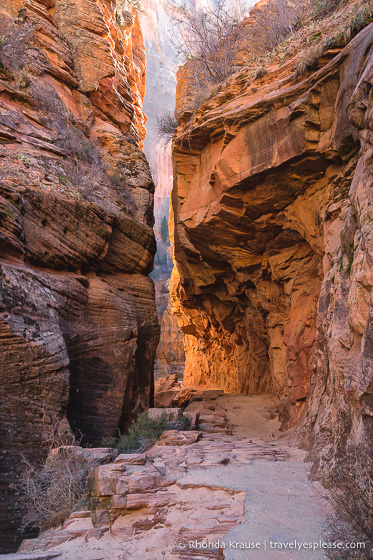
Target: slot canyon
x,y
221,277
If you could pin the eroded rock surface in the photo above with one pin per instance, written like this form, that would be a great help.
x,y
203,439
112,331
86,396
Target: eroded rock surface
x,y
170,359
205,486
78,325
272,245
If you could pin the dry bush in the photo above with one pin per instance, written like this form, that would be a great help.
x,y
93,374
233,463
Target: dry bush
x,y
310,59
350,492
15,47
216,41
323,8
84,167
213,38
275,22
52,491
77,145
85,170
84,179
123,11
166,126
57,432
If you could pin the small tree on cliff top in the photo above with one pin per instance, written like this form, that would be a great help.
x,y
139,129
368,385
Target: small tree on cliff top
x,y
211,38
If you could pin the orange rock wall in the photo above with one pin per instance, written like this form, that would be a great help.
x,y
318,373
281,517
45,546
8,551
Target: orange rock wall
x,y
272,241
78,324
170,352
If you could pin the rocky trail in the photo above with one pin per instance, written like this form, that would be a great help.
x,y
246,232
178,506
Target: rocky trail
x,y
231,480
271,229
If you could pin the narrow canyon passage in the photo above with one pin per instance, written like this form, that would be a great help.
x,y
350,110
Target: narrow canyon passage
x,y
162,225
233,480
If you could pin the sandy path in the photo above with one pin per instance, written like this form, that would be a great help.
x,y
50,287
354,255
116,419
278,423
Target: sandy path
x,y
250,415
280,505
241,483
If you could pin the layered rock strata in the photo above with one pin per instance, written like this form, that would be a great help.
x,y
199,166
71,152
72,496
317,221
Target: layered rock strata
x,y
170,352
194,494
78,325
142,505
272,246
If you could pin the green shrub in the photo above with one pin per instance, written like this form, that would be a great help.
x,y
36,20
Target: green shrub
x,y
350,262
145,431
24,159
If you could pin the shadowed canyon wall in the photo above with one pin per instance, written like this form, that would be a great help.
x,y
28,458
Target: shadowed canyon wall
x,y
272,241
78,324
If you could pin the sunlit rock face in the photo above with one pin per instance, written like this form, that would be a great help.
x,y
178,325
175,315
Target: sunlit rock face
x,y
78,324
272,243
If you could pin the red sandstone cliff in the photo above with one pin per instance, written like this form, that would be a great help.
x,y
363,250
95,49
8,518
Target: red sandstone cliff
x,y
78,325
272,239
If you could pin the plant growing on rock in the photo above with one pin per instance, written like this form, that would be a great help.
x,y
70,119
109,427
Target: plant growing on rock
x,y
278,20
84,168
310,59
322,8
166,126
24,159
211,39
360,20
50,491
123,11
145,431
350,492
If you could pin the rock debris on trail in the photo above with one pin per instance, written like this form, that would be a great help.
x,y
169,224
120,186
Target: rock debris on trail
x,y
207,485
